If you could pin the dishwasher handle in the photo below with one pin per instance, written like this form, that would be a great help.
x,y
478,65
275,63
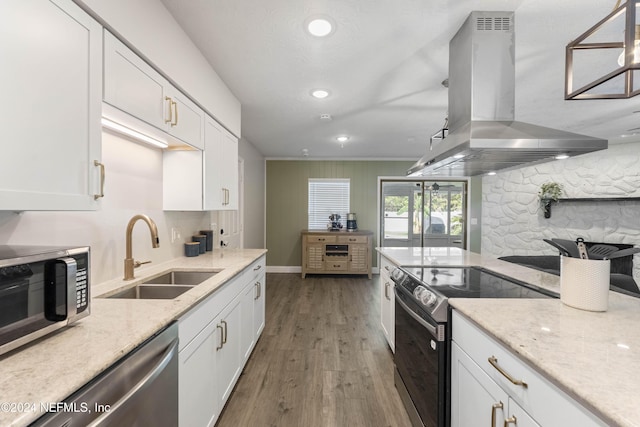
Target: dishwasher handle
x,y
169,354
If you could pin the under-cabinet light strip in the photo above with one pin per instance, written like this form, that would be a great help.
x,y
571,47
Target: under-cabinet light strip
x,y
117,127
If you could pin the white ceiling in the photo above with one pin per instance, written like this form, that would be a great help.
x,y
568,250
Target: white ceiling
x,y
383,65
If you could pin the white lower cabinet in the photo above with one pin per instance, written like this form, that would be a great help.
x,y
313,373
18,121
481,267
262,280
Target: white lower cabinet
x,y
229,360
216,339
199,403
387,302
487,387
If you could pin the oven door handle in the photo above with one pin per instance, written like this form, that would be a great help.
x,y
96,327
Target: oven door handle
x,y
432,329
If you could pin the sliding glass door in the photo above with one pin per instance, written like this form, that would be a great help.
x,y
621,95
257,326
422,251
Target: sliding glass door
x,y
422,213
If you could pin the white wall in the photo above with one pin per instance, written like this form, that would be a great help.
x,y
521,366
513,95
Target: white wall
x,y
513,223
133,185
254,195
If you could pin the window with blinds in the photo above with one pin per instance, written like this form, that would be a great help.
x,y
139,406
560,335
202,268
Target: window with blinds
x,y
326,197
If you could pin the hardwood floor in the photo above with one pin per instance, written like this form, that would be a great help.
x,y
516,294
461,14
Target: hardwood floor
x,y
322,359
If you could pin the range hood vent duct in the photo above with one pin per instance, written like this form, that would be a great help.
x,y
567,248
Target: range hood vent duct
x,y
483,135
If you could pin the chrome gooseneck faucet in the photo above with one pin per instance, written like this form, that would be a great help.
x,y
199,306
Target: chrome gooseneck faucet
x,y
129,263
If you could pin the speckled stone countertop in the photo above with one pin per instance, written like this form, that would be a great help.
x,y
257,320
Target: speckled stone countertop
x,y
52,368
594,357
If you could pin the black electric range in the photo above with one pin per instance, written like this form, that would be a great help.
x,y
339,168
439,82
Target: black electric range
x,y
422,336
432,286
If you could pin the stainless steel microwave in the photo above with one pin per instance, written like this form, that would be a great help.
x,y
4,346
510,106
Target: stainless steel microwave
x,y
42,289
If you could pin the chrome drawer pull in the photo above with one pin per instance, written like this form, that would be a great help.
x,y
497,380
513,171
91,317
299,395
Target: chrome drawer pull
x,y
494,362
495,406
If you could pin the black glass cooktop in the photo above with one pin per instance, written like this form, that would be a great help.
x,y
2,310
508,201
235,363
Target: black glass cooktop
x,y
472,282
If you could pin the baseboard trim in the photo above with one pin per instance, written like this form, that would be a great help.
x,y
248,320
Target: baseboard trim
x,y
284,269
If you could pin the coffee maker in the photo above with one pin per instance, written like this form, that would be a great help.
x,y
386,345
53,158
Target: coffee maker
x,y
335,223
352,224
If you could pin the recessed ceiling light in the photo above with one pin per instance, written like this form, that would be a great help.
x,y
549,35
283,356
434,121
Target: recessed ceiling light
x,y
342,138
491,173
319,26
562,156
320,93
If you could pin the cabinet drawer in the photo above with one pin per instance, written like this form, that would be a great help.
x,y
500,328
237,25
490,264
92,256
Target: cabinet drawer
x,y
321,239
335,265
352,239
544,401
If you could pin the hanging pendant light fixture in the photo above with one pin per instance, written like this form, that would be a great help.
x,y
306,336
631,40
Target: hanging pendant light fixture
x,y
621,79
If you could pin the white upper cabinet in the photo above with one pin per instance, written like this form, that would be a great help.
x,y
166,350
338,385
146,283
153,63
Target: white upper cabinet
x,y
133,86
51,84
203,180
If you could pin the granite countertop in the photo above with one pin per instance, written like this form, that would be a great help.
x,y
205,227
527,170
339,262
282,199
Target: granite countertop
x,y
115,327
592,356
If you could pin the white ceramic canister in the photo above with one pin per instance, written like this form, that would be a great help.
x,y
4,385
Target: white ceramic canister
x,y
584,283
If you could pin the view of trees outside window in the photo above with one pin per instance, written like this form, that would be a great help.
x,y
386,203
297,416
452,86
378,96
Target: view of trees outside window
x,y
435,213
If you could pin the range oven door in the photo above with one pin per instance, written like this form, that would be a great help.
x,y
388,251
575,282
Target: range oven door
x,y
421,362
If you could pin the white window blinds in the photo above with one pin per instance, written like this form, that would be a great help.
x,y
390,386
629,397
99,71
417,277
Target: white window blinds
x,y
326,197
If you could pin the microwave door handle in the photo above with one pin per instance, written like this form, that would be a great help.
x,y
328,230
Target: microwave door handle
x,y
60,291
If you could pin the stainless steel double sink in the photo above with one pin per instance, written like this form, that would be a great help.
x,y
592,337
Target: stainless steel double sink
x,y
168,285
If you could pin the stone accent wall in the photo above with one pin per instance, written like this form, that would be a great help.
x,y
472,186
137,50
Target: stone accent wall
x,y
513,223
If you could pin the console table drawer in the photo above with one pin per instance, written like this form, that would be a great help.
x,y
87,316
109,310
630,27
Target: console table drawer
x,y
321,239
352,239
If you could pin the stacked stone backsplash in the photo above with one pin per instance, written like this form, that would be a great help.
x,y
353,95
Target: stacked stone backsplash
x,y
513,221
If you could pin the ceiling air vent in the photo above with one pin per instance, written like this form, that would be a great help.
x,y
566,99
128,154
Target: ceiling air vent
x,y
487,23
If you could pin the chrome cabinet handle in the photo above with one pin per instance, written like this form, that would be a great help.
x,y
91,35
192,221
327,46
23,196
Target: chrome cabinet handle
x,y
386,290
494,362
175,104
258,291
224,337
511,420
102,175
221,337
495,406
170,119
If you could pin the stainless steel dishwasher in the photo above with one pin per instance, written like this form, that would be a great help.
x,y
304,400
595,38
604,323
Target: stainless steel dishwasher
x,y
141,389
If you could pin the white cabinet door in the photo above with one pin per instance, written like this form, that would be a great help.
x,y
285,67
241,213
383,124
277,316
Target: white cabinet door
x,y
213,194
183,181
132,86
259,306
51,85
387,302
247,335
221,167
229,357
230,170
187,119
518,417
198,395
475,398
135,87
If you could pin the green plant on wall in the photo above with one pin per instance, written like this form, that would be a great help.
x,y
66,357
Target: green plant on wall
x,y
549,192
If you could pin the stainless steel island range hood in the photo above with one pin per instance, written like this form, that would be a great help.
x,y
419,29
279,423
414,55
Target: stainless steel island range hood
x,y
483,136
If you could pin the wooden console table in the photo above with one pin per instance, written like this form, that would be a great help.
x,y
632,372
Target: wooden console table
x,y
336,252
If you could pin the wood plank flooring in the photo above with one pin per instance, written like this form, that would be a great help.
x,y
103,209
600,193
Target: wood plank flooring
x,y
322,359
